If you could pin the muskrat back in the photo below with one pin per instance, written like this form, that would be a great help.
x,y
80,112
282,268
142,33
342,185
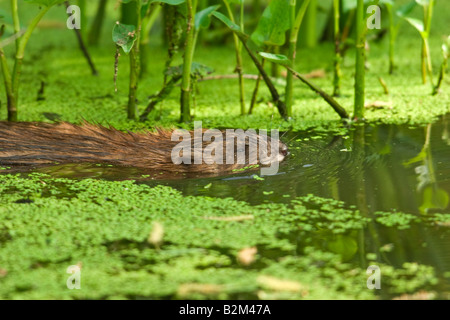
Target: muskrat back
x,y
42,144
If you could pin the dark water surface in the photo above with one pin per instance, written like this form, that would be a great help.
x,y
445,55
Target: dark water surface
x,y
375,168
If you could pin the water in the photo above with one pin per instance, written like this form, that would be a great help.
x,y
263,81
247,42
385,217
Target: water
x,y
371,166
375,168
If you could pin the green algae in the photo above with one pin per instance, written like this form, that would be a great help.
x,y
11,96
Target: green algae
x,y
104,227
400,220
48,224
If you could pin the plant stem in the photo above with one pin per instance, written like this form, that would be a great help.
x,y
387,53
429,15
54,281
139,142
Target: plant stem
x,y
330,100
83,46
96,28
360,61
21,44
83,18
310,38
135,67
437,88
392,36
8,85
273,91
238,49
291,55
147,24
255,91
185,112
424,61
16,20
296,21
162,94
337,49
428,65
426,58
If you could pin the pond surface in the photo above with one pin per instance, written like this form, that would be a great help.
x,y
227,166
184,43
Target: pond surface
x,y
380,168
374,168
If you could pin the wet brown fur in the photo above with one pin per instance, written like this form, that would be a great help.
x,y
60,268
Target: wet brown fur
x,y
42,144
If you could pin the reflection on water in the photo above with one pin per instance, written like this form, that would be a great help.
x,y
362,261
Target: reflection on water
x,y
382,168
375,168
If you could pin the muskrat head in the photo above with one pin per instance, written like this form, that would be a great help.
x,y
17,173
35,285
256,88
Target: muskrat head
x,y
216,151
271,151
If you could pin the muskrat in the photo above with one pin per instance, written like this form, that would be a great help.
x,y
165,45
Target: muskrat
x,y
43,144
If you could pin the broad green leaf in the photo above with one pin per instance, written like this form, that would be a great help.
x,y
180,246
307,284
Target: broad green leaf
x,y
274,23
170,2
343,245
124,35
203,18
233,26
46,3
198,70
276,58
419,158
416,23
434,198
423,3
445,48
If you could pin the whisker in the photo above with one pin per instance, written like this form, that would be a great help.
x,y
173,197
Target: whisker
x,y
294,138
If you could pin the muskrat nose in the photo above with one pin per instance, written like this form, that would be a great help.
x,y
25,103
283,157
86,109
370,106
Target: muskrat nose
x,y
284,151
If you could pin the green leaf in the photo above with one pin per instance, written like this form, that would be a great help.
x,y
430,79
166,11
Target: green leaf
x,y
276,58
230,24
46,3
419,158
274,23
124,35
416,23
445,48
170,2
343,245
203,18
198,70
423,3
434,198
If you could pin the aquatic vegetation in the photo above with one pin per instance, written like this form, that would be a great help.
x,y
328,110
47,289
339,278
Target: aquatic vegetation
x,y
188,239
21,38
157,243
